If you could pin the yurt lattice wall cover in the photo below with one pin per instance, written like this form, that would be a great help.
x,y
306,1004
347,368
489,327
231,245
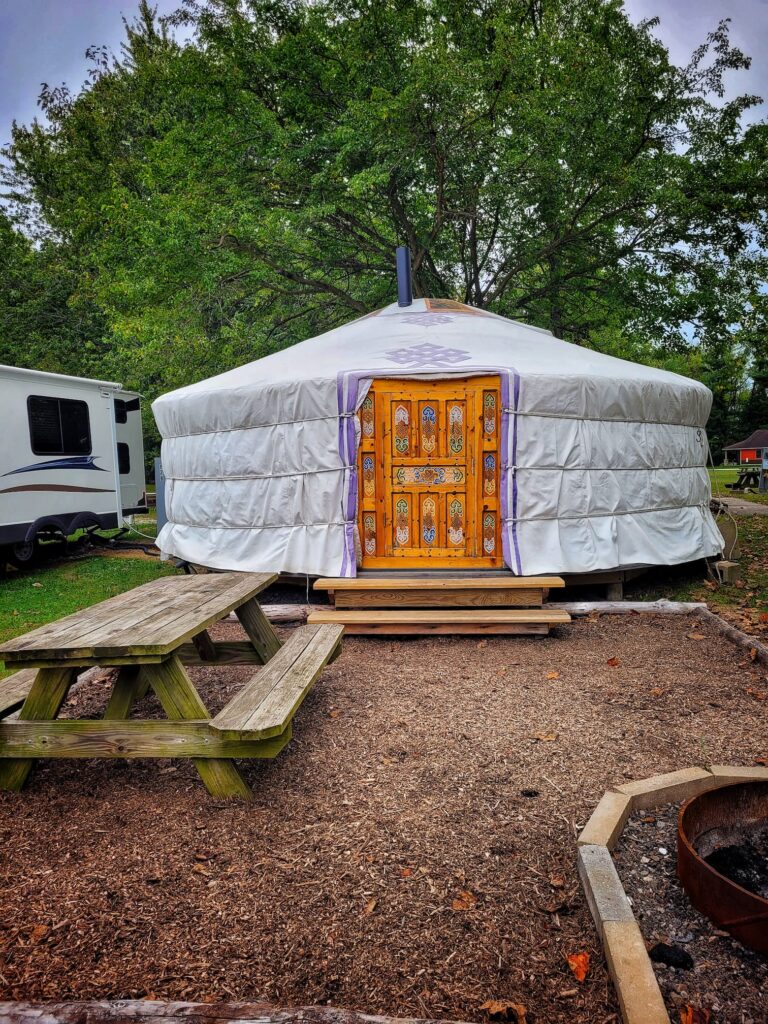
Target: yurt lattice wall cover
x,y
603,462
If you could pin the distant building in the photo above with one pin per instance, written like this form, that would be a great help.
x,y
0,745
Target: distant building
x,y
750,449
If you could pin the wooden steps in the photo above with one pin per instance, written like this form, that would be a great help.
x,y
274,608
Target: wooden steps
x,y
445,605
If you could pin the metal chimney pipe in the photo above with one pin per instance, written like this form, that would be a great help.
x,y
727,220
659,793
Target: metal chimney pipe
x,y
404,289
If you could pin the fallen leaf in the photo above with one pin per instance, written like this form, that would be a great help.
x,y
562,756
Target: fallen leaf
x,y
613,662
753,653
370,906
763,617
39,932
334,713
557,882
37,585
696,636
545,737
553,675
406,872
500,1009
200,869
694,1015
579,964
756,694
657,692
464,901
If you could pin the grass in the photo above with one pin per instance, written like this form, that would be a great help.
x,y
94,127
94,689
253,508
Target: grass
x,y
728,475
746,600
33,598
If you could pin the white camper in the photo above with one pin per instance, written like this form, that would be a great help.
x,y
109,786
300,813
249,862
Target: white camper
x,y
71,457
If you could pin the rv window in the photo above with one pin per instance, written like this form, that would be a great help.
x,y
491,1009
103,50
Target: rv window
x,y
123,457
121,411
58,426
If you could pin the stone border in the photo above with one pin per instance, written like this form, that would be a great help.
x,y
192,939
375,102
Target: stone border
x,y
629,965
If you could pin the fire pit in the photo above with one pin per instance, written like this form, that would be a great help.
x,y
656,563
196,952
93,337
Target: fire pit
x,y
722,858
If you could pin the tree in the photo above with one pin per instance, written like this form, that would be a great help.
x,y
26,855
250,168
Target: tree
x,y
545,159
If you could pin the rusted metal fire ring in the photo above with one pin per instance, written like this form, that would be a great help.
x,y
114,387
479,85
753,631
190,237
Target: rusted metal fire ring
x,y
705,823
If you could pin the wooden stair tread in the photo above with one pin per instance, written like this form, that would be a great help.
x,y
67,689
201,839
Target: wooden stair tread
x,y
444,615
459,583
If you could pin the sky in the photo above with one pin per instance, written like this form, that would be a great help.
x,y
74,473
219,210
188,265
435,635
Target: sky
x,y
46,40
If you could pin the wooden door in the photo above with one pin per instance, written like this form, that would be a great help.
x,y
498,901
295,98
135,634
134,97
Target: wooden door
x,y
429,474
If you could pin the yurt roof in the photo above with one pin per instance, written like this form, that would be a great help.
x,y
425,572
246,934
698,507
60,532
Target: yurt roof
x,y
435,337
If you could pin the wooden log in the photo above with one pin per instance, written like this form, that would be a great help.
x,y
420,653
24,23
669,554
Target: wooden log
x,y
736,636
83,738
149,1011
661,607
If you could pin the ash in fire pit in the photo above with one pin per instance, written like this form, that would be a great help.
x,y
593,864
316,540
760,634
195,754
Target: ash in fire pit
x,y
745,862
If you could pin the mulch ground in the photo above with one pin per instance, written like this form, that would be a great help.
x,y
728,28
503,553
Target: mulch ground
x,y
410,853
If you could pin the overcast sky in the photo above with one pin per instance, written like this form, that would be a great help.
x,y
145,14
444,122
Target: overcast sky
x,y
45,41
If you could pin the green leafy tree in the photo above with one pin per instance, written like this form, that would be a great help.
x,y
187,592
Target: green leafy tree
x,y
231,194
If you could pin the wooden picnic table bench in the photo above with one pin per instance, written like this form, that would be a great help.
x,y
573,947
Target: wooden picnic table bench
x,y
747,478
150,634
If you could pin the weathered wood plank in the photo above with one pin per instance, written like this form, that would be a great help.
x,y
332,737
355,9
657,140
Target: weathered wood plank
x,y
79,738
446,616
269,701
443,597
46,695
150,1011
259,629
445,629
228,652
440,583
152,619
14,690
205,647
130,686
181,700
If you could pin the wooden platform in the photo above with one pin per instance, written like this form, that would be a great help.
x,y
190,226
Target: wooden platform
x,y
469,604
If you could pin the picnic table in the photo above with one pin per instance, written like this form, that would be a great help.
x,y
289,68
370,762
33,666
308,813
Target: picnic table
x,y
747,478
150,634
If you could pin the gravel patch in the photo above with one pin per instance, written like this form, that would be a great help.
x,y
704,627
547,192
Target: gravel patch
x,y
717,973
410,853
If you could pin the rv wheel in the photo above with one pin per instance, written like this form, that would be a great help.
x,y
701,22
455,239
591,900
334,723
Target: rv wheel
x,y
23,554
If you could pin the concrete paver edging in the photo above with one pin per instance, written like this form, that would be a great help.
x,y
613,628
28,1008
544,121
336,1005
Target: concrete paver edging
x,y
629,965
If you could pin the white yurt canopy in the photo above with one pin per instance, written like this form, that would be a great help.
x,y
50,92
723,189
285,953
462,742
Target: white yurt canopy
x,y
603,460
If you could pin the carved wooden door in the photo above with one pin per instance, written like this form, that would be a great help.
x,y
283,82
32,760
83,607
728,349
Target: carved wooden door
x,y
429,474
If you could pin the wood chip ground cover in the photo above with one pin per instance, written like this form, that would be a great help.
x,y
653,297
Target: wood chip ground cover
x,y
390,862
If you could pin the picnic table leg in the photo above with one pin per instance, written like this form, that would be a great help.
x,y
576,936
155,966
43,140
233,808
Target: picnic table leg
x,y
260,630
43,703
180,700
130,686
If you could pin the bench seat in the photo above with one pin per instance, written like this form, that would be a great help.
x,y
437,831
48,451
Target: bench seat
x,y
14,690
268,702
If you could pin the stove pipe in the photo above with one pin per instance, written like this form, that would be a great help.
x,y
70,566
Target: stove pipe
x,y
404,290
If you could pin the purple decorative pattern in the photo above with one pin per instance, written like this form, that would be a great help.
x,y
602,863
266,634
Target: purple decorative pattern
x,y
427,354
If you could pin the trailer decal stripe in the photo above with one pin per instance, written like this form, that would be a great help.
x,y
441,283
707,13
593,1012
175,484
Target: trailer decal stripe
x,y
70,462
58,487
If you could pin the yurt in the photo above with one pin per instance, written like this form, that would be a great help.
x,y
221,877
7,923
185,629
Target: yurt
x,y
433,435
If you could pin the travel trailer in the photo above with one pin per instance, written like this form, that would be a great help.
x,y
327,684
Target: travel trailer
x,y
72,457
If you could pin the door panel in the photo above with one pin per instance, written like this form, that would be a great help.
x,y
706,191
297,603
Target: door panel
x,y
429,473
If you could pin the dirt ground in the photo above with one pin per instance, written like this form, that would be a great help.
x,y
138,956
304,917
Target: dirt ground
x,y
722,975
410,853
